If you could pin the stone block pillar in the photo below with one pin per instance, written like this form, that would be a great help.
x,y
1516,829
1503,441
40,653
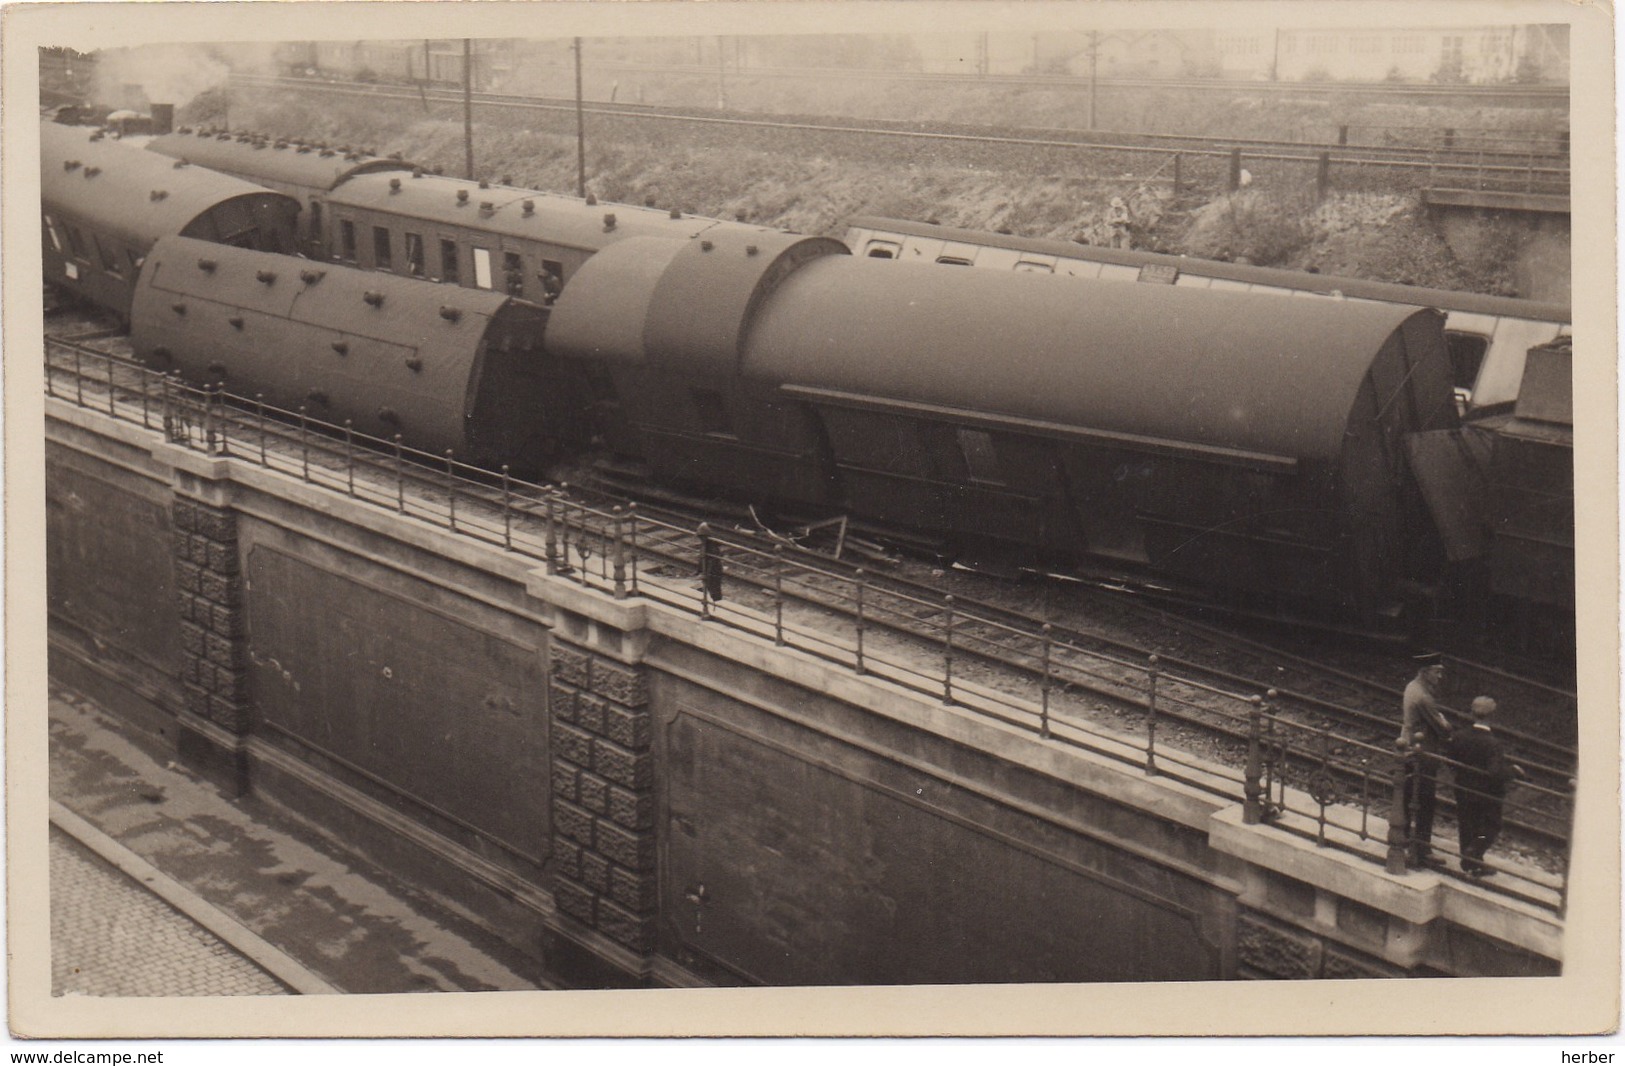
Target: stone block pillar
x,y
603,790
214,657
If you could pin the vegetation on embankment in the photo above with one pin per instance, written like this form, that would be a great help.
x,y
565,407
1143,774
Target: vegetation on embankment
x,y
1275,222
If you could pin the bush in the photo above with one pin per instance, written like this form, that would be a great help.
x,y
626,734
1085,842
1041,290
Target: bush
x,y
1450,72
1267,228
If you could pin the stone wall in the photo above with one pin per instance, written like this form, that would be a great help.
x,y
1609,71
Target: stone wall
x,y
639,797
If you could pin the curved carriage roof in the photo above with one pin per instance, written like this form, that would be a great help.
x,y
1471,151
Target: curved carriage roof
x,y
137,195
1296,280
300,309
1227,370
271,161
564,220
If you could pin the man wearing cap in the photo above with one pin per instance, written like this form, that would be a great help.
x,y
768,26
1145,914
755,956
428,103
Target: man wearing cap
x,y
1483,773
1424,733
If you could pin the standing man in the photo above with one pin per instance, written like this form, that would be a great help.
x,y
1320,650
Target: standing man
x,y
1424,733
1118,221
1483,773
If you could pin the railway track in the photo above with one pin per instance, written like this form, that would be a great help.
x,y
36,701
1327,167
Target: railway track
x,y
1518,95
1475,169
1195,702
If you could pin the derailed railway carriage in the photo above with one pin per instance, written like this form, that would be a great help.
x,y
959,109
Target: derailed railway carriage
x,y
1242,444
444,368
104,204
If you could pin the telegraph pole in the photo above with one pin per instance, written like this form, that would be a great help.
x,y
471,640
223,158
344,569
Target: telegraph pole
x,y
1094,58
722,73
468,108
581,131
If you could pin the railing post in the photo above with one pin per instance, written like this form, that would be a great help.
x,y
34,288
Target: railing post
x,y
78,379
1399,832
259,413
1252,809
507,511
400,478
1235,169
862,581
210,417
632,544
451,493
141,374
222,419
50,386
551,551
304,445
1323,787
583,550
707,566
349,457
1151,717
168,408
1568,856
1044,681
1323,176
1274,758
948,652
618,560
1365,798
112,396
779,595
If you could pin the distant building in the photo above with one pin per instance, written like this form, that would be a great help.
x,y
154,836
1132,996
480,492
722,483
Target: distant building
x,y
1464,54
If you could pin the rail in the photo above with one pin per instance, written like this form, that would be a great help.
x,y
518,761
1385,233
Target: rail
x,y
1287,770
1219,164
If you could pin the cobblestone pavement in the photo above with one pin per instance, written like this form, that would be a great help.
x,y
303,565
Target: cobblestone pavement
x,y
111,937
346,922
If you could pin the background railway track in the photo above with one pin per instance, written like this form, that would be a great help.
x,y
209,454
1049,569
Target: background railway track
x,y
1511,95
1193,159
1330,730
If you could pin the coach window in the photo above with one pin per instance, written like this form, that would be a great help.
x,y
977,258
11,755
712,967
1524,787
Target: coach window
x,y
448,260
981,461
347,241
1466,356
77,239
954,260
110,261
315,220
482,267
381,257
50,231
513,273
883,249
414,255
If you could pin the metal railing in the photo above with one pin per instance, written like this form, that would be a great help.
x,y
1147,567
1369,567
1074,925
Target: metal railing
x,y
1288,769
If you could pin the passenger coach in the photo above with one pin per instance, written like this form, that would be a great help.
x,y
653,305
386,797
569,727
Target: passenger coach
x,y
1218,441
306,172
104,204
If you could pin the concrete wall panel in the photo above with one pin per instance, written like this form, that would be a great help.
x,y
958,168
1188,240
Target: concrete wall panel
x,y
862,871
373,666
108,562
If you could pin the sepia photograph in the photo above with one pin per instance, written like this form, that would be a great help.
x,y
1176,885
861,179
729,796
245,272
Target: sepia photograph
x,y
814,518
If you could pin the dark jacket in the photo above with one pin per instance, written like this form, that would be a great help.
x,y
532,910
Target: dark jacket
x,y
1484,768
